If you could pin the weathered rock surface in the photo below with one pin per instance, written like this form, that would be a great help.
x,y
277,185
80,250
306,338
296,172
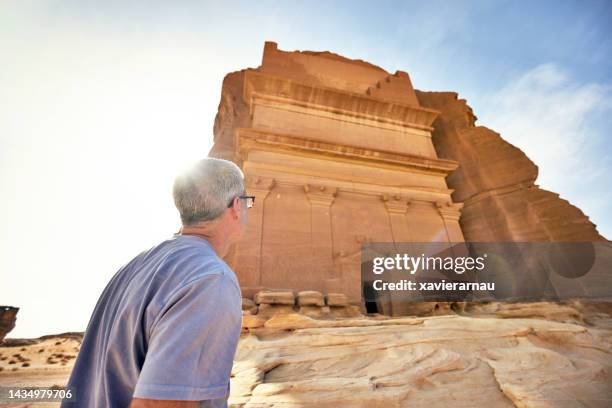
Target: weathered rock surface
x,y
249,305
250,321
267,309
495,182
452,360
8,317
490,355
315,311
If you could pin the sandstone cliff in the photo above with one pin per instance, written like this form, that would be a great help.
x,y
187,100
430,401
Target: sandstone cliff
x,y
8,316
490,355
232,113
495,182
340,153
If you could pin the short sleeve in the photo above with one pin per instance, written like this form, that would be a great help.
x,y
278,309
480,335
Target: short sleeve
x,y
193,342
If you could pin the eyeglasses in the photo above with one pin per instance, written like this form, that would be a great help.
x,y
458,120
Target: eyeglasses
x,y
250,200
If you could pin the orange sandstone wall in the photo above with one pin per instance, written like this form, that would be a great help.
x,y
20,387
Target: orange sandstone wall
x,y
495,182
339,153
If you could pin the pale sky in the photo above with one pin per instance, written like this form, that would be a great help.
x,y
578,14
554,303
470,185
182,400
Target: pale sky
x,y
102,103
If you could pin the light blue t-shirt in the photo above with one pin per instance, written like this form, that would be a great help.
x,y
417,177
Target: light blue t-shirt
x,y
166,327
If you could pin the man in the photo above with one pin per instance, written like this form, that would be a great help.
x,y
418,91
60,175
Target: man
x,y
165,330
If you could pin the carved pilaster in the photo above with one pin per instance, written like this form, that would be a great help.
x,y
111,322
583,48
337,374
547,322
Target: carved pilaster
x,y
320,195
248,251
321,199
259,185
397,207
450,213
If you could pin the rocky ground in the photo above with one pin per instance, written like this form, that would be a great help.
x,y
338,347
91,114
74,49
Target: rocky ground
x,y
488,355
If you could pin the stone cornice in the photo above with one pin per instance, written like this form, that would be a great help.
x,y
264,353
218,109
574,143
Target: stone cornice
x,y
262,86
284,176
247,139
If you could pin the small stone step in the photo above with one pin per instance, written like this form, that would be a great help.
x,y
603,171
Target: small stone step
x,y
310,298
275,298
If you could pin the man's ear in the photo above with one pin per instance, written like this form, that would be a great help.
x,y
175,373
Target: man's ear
x,y
235,209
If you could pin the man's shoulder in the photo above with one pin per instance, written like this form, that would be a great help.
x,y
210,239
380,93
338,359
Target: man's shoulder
x,y
186,259
182,248
207,260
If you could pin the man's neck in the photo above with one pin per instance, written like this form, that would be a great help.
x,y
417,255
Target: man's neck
x,y
213,237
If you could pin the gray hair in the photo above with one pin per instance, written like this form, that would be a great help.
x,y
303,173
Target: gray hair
x,y
204,191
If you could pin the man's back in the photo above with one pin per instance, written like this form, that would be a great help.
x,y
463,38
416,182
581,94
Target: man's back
x,y
166,327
